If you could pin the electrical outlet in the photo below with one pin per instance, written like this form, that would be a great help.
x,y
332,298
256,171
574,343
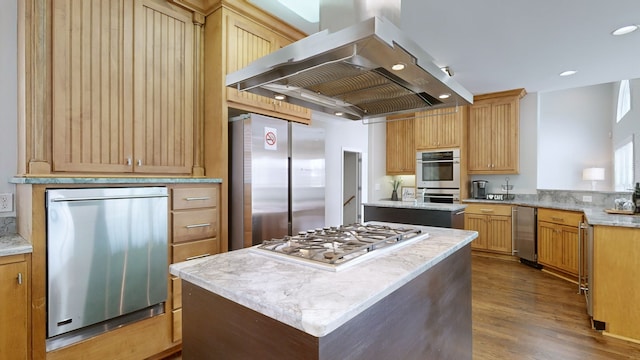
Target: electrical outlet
x,y
586,198
6,202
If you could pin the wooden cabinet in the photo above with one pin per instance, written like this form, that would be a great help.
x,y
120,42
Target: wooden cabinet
x,y
14,309
558,235
494,133
122,87
493,224
439,128
615,287
401,150
248,41
194,233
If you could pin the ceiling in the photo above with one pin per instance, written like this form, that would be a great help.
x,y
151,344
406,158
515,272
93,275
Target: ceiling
x,y
495,45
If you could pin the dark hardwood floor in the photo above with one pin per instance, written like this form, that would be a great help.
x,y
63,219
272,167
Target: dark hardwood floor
x,y
523,313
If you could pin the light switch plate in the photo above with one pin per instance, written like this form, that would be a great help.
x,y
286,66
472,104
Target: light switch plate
x,y
6,202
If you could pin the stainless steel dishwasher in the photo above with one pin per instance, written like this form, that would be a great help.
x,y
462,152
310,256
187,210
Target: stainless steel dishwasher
x,y
524,228
106,259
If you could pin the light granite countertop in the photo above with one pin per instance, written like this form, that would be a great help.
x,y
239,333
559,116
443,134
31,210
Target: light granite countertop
x,y
317,301
593,215
13,245
415,205
112,180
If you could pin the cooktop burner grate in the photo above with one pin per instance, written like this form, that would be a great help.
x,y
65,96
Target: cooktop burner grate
x,y
334,246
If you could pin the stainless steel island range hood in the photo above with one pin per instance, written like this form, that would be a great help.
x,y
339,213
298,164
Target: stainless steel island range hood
x,y
367,70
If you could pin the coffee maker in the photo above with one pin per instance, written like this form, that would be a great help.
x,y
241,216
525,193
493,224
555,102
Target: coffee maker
x,y
479,189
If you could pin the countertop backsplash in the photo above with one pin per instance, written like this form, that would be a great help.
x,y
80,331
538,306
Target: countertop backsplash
x,y
604,200
7,225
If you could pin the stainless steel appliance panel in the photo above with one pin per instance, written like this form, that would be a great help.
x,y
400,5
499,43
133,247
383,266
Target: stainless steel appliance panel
x,y
106,254
438,169
307,178
525,222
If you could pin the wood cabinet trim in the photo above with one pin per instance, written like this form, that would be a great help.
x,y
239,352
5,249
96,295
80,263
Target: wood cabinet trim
x,y
518,93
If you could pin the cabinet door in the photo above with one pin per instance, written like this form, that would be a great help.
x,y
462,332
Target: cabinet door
x,y
505,136
246,42
548,249
163,89
450,127
401,151
13,312
480,138
499,238
477,223
92,84
568,238
426,129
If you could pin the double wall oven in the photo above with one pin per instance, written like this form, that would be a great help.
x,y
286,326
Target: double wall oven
x,y
438,175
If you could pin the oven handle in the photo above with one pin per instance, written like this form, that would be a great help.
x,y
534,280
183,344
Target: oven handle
x,y
438,161
438,196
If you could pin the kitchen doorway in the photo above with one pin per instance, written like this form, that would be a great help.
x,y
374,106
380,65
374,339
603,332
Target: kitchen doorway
x,y
351,186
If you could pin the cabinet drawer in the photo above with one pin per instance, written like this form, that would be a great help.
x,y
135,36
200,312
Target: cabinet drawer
x,y
196,197
569,218
177,325
488,209
176,292
185,251
194,225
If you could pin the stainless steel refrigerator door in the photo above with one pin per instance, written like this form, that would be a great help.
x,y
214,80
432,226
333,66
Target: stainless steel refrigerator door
x,y
307,178
525,232
106,254
268,159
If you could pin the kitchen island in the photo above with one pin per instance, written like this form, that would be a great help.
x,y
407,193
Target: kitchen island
x,y
413,302
410,212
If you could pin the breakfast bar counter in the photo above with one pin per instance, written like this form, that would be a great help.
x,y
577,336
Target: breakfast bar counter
x,y
413,301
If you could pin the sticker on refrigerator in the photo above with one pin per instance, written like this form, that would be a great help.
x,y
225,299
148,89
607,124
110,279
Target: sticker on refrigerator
x,y
270,138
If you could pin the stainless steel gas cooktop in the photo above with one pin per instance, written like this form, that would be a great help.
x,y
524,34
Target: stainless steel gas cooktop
x,y
335,248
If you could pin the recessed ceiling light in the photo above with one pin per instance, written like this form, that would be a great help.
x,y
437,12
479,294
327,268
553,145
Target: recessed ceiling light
x,y
568,73
444,96
625,30
279,97
398,67
339,113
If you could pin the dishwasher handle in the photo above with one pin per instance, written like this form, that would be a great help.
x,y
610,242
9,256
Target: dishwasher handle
x,y
117,197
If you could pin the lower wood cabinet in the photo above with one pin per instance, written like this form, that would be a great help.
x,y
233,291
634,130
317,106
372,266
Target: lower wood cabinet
x,y
558,235
14,309
493,224
194,233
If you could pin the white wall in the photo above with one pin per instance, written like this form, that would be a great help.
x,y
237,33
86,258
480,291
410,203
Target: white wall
x,y
8,96
575,133
340,135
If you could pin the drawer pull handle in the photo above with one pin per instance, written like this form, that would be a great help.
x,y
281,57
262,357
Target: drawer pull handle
x,y
198,198
486,210
198,256
557,218
197,225
19,278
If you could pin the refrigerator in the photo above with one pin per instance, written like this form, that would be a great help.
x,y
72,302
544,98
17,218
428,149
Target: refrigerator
x,y
277,179
524,235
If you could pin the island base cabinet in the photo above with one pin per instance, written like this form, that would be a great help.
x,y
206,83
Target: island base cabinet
x,y
427,318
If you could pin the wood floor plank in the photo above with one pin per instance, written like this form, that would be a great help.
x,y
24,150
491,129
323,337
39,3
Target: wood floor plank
x,y
522,313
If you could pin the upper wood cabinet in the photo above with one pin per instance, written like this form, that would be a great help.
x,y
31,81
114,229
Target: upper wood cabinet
x,y
248,41
439,128
493,130
122,87
401,150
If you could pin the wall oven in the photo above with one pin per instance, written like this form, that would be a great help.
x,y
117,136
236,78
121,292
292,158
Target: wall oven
x,y
438,169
